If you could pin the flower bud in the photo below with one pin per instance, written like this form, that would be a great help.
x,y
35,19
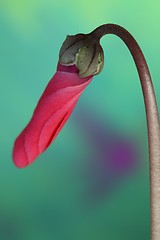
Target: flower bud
x,y
83,51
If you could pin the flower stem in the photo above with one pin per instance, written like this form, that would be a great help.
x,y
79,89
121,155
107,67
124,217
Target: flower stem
x,y
151,116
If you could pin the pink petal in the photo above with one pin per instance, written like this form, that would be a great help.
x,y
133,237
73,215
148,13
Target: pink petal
x,y
53,109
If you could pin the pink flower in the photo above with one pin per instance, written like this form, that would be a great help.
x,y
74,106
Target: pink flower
x,y
77,65
53,110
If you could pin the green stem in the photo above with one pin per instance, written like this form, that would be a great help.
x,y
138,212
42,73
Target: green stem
x,y
151,115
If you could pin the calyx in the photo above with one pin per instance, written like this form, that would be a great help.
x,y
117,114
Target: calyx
x,y
85,52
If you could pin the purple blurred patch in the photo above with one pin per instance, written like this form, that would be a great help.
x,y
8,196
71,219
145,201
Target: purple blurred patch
x,y
115,156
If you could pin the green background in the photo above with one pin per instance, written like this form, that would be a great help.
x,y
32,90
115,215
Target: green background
x,y
69,193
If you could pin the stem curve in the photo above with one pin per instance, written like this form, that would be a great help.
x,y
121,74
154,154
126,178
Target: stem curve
x,y
151,117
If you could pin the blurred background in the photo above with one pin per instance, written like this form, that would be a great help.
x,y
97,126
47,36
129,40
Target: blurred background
x,y
92,183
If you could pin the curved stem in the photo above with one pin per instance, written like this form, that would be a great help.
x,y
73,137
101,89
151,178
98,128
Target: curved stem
x,y
151,115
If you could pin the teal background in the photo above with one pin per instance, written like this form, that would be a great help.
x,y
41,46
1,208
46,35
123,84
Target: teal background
x,y
65,193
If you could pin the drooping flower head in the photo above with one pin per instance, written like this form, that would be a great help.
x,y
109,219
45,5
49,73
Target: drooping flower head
x,y
80,58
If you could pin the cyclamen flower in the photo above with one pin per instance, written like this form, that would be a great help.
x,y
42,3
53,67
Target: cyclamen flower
x,y
59,98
